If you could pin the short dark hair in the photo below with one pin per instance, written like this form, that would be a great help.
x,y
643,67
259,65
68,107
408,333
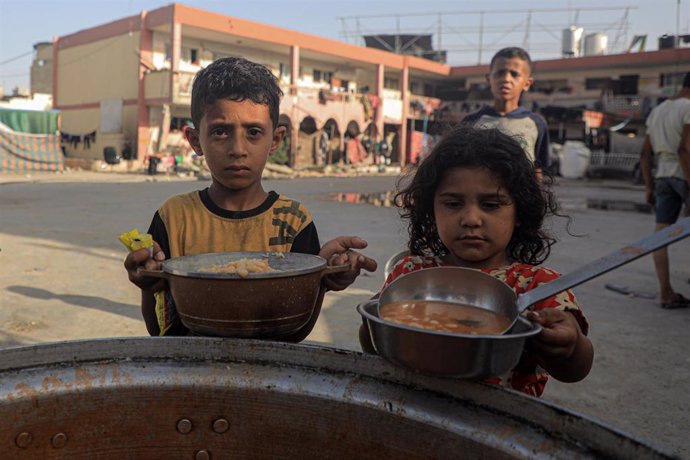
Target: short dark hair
x,y
686,80
236,79
502,155
512,52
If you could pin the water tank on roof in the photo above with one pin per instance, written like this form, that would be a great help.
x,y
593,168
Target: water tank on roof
x,y
596,44
572,38
667,42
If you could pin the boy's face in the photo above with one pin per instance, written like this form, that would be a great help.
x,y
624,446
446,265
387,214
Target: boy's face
x,y
236,139
509,77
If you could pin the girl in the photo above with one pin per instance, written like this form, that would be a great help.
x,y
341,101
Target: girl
x,y
476,202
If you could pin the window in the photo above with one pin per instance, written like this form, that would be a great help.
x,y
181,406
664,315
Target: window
x,y
190,55
671,79
628,84
597,83
284,71
327,76
317,76
391,83
549,86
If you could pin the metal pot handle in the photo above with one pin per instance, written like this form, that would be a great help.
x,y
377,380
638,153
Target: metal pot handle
x,y
153,273
330,269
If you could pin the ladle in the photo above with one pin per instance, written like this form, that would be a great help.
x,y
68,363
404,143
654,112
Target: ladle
x,y
658,240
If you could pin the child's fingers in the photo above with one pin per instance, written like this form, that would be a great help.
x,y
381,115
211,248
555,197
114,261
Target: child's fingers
x,y
367,263
158,253
340,245
549,350
142,258
339,259
137,258
558,336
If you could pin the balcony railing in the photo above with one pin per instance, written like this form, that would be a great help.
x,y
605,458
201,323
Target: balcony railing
x,y
630,106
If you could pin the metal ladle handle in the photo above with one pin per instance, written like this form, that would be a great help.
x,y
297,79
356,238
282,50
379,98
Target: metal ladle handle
x,y
658,240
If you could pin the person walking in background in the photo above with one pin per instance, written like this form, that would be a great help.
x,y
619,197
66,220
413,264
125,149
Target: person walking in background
x,y
510,74
668,135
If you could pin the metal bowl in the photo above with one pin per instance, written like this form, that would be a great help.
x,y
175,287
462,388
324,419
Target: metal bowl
x,y
446,354
453,284
261,305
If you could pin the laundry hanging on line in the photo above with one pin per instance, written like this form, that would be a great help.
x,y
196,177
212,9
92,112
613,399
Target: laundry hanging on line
x,y
75,139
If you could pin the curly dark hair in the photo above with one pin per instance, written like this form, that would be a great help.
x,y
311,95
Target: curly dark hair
x,y
236,79
502,155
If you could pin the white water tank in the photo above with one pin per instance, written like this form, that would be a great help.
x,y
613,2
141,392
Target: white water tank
x,y
596,44
574,159
572,38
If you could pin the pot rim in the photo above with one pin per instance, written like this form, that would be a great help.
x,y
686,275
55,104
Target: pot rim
x,y
362,310
313,264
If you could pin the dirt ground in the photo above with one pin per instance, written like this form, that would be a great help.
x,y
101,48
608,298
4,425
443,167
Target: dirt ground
x,y
62,279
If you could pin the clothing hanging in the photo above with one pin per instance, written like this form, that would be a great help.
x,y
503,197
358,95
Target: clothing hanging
x,y
75,139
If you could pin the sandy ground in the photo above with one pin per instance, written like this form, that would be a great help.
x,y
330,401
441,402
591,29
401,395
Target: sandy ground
x,y
62,278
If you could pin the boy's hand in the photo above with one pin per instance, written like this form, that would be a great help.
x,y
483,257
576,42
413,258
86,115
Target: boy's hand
x,y
142,259
559,336
339,251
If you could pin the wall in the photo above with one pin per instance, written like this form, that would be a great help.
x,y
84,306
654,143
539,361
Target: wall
x,y
104,69
84,121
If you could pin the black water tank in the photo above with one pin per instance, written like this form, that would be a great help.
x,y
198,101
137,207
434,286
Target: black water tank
x,y
667,42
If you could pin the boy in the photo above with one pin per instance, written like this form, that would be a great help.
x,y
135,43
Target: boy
x,y
235,108
510,73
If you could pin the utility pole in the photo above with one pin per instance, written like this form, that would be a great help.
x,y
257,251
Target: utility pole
x,y
481,37
677,39
525,42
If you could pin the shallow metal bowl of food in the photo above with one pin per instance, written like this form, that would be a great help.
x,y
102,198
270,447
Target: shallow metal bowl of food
x,y
465,356
452,284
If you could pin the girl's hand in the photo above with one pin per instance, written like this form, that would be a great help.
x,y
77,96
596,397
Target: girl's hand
x,y
559,336
142,258
561,348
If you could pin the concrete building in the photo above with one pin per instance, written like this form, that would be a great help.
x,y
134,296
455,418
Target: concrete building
x,y
127,83
42,69
130,80
576,94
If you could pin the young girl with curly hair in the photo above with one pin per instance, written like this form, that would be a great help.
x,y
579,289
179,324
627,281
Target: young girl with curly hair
x,y
476,202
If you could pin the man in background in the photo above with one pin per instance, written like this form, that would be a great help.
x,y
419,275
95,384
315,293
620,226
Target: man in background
x,y
668,136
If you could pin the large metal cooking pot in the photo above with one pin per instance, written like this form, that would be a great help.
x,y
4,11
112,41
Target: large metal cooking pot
x,y
201,397
260,305
446,354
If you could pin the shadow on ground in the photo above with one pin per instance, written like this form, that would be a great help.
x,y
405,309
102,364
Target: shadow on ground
x,y
93,302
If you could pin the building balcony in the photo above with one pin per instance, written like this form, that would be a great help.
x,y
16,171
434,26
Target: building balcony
x,y
627,106
157,86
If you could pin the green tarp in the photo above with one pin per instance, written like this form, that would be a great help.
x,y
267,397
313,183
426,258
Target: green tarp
x,y
30,121
22,152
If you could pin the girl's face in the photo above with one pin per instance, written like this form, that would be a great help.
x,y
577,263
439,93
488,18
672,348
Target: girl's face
x,y
475,218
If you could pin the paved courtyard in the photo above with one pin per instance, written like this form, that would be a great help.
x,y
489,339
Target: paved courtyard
x,y
62,278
